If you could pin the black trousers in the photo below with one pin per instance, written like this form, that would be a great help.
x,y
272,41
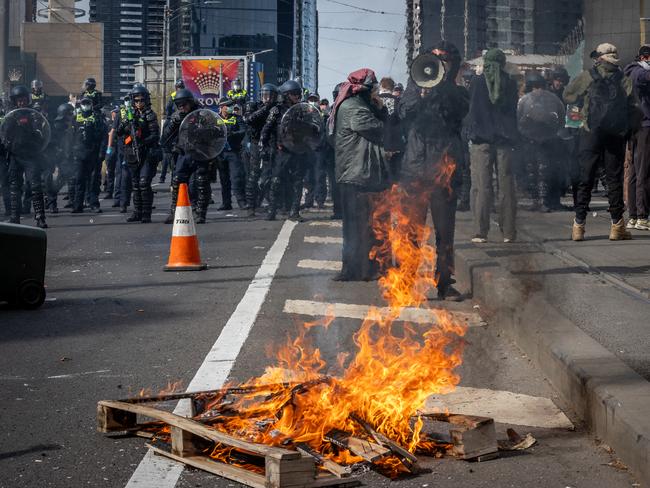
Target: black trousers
x,y
32,169
253,174
598,149
141,176
638,190
4,184
237,175
358,236
442,205
287,173
223,168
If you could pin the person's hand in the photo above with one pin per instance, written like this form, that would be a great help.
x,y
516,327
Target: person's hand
x,y
109,151
424,92
377,100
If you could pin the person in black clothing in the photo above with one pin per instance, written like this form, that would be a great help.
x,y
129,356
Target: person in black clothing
x,y
255,118
186,166
559,79
492,130
59,155
87,138
39,99
139,130
232,174
168,157
24,158
393,137
287,168
90,91
433,159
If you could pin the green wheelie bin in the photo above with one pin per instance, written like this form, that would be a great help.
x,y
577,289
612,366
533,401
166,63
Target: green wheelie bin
x,y
22,265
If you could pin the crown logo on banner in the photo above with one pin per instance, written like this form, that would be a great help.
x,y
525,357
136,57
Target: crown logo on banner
x,y
208,82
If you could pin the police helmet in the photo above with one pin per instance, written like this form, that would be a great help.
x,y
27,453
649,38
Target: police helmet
x,y
19,91
269,92
86,104
534,79
37,85
64,110
90,84
139,89
236,84
290,87
184,95
180,84
560,73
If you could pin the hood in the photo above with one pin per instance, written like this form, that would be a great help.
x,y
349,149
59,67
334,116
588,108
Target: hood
x,y
452,57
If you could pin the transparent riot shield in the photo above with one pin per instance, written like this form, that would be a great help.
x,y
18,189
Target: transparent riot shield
x,y
540,115
202,134
302,128
25,132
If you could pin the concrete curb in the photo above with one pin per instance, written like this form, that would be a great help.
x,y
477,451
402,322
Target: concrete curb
x,y
610,397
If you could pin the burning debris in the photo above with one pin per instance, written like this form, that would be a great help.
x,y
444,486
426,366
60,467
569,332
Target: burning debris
x,y
300,424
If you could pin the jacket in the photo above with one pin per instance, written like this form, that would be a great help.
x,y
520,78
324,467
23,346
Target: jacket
x,y
140,133
488,123
433,127
640,78
358,140
577,92
89,132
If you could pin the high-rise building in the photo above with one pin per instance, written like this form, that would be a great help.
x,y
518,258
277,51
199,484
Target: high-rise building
x,y
524,26
285,32
131,29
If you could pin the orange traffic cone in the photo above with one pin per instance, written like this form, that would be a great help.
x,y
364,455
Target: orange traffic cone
x,y
184,254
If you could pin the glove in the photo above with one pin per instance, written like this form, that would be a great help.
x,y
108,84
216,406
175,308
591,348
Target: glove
x,y
109,151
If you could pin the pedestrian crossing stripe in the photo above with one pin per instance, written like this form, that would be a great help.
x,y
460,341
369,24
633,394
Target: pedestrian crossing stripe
x,y
320,264
323,240
505,407
355,311
323,223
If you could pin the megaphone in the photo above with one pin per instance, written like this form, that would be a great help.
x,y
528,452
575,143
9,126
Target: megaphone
x,y
427,70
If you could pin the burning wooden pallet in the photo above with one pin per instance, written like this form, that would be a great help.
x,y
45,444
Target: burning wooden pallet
x,y
195,442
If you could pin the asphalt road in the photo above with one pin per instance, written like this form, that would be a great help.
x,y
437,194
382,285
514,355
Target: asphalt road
x,y
115,323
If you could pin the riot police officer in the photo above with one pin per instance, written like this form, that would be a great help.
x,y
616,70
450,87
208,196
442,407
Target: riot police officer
x,y
59,154
237,93
232,174
185,164
139,130
168,158
39,99
90,91
25,156
286,167
87,139
255,119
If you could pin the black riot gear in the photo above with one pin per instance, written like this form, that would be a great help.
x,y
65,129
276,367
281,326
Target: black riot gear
x,y
90,84
37,86
290,87
269,93
18,92
179,85
63,111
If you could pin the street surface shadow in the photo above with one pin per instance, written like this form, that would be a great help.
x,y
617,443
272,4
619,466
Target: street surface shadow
x,y
30,450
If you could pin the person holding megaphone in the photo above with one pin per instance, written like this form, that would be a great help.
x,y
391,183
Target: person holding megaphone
x,y
432,110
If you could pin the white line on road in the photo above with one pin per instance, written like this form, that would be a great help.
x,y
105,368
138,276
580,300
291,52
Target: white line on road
x,y
320,264
503,406
354,311
323,240
74,375
324,223
156,472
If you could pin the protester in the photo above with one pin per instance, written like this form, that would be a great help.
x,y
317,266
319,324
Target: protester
x,y
638,189
393,136
433,159
607,109
492,130
356,123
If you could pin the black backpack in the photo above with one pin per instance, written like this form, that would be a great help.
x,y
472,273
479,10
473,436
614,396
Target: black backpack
x,y
608,106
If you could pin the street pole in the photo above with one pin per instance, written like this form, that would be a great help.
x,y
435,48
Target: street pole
x,y
165,54
4,44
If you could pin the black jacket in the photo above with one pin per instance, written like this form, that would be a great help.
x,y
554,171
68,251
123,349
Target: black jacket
x,y
88,134
271,136
433,129
144,128
488,123
255,119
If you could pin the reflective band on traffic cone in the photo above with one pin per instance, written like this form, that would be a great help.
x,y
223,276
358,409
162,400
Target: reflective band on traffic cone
x,y
184,252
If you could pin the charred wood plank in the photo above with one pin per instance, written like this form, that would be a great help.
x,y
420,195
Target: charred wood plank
x,y
335,468
365,449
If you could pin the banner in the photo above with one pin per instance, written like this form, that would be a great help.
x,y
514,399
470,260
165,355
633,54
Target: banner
x,y
202,78
255,79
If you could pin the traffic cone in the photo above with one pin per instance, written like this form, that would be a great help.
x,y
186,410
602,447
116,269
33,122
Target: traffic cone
x,y
184,254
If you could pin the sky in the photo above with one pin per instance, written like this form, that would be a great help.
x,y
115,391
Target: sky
x,y
346,48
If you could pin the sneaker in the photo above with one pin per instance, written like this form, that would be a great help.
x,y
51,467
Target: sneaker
x,y
618,232
508,240
578,232
641,224
450,294
479,240
631,224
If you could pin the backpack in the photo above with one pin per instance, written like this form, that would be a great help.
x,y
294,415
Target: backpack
x,y
608,108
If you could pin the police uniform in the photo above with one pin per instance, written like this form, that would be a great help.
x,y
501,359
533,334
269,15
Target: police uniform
x,y
87,139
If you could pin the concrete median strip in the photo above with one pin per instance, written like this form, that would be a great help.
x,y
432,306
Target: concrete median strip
x,y
156,472
354,311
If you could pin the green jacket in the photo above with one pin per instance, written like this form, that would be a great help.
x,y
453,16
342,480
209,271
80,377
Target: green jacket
x,y
358,145
577,92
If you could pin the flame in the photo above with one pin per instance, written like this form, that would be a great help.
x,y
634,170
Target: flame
x,y
395,367
445,173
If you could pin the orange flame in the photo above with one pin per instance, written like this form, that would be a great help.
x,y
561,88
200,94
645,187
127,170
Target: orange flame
x,y
445,173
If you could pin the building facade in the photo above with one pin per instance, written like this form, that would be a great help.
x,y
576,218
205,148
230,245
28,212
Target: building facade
x,y
523,26
132,29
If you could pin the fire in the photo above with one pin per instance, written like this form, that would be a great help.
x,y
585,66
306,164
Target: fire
x,y
446,171
395,368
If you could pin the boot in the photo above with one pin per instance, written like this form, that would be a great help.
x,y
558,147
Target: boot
x,y
578,232
136,216
39,210
147,204
15,207
251,212
619,232
204,196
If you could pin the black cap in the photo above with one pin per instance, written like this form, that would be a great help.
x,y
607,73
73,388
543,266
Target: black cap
x,y
644,50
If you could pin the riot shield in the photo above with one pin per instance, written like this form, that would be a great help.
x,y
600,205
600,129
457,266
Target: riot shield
x,y
301,128
540,115
202,134
25,132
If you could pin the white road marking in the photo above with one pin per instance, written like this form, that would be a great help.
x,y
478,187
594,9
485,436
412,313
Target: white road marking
x,y
320,264
157,472
503,406
324,223
323,240
354,311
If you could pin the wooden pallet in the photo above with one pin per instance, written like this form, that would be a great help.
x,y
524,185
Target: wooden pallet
x,y
191,442
473,438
